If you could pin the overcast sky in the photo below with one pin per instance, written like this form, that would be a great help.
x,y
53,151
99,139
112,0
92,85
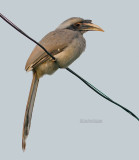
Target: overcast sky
x,y
110,62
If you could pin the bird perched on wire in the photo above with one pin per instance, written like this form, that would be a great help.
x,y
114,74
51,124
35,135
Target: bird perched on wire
x,y
66,44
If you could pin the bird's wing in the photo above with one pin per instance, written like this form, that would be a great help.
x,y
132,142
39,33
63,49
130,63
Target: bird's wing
x,y
54,42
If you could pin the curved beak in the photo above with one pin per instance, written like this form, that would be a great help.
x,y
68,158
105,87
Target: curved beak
x,y
91,27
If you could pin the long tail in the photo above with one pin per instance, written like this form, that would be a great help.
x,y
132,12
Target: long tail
x,y
29,109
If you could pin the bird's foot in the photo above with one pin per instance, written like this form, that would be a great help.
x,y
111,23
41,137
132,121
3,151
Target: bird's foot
x,y
54,60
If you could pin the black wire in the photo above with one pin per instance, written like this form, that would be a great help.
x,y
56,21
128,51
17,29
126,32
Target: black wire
x,y
101,94
68,69
19,30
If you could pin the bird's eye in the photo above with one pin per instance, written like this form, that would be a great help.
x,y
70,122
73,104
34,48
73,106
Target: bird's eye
x,y
77,24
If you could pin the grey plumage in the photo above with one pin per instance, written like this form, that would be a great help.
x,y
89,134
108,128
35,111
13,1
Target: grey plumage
x,y
56,43
66,44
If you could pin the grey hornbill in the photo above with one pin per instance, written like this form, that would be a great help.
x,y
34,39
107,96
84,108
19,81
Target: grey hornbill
x,y
66,44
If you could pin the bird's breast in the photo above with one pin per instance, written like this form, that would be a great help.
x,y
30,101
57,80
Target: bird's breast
x,y
71,52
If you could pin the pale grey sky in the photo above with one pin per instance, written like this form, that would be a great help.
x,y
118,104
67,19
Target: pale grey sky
x,y
110,62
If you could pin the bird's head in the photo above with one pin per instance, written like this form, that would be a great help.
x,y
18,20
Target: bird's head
x,y
79,24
